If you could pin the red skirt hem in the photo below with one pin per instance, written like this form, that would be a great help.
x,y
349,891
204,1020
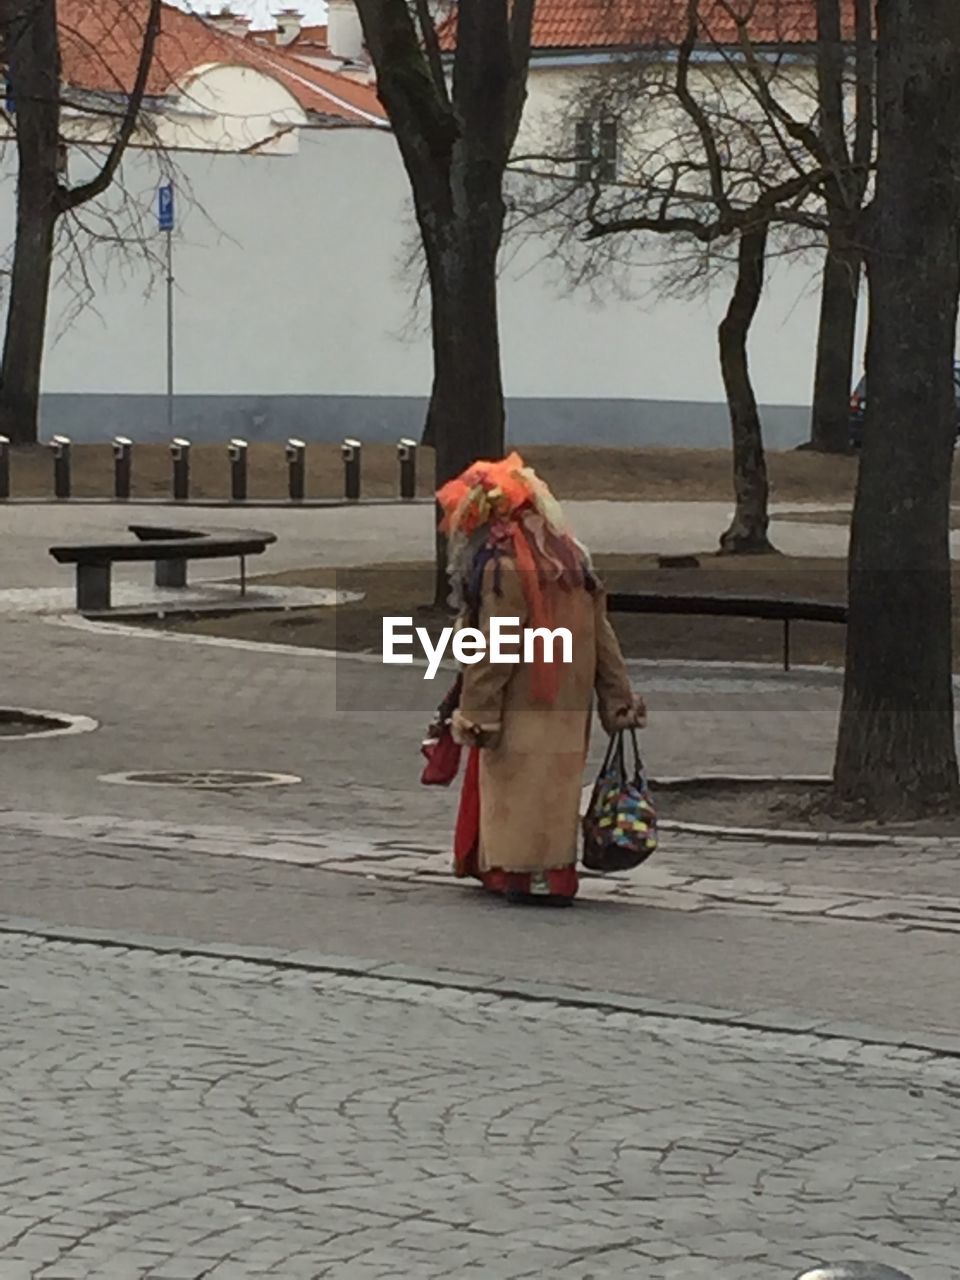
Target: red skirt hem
x,y
557,882
554,881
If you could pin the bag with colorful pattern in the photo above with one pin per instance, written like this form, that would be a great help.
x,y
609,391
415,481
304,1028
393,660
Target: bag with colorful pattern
x,y
620,825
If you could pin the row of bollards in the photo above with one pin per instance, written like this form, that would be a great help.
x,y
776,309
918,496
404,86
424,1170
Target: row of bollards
x,y
351,452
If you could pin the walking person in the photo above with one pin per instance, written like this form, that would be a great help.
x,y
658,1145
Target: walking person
x,y
527,724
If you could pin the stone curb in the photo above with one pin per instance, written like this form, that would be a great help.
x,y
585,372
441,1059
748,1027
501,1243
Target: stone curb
x,y
69,726
779,835
777,1021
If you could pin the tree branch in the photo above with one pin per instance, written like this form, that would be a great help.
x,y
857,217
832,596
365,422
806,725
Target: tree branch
x,y
865,89
423,121
830,83
521,36
693,108
431,45
70,199
765,209
800,132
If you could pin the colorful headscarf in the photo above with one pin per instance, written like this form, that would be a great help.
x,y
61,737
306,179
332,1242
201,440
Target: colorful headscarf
x,y
502,507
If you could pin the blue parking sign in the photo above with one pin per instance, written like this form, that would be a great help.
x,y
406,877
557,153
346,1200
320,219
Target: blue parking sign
x,y
165,207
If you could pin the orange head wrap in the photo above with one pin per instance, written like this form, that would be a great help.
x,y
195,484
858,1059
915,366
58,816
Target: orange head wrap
x,y
487,492
509,494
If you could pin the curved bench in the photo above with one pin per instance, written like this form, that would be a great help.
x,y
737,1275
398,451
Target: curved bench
x,y
169,548
781,610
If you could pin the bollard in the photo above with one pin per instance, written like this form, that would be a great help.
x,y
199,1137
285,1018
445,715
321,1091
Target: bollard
x,y
351,450
854,1271
237,452
122,467
297,469
407,455
4,468
180,453
61,466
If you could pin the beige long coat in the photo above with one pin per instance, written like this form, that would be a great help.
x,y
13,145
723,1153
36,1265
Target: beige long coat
x,y
533,756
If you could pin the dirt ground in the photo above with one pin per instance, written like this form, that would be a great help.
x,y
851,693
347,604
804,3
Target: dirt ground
x,y
777,806
841,517
572,471
404,589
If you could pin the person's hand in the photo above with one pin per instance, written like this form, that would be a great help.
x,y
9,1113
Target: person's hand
x,y
470,734
434,731
633,716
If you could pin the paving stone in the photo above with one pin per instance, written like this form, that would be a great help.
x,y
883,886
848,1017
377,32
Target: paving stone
x,y
388,1134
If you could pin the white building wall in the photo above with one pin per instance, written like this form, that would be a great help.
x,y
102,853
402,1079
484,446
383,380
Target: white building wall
x,y
217,107
293,315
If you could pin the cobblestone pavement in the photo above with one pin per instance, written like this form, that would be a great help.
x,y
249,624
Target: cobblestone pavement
x,y
187,1119
691,873
183,1118
276,887
349,728
720,925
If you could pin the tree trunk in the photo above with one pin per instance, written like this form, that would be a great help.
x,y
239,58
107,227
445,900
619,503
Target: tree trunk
x,y
830,422
35,80
455,135
896,754
26,319
466,415
748,531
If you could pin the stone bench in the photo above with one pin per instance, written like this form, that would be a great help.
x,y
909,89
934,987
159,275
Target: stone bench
x,y
782,610
170,549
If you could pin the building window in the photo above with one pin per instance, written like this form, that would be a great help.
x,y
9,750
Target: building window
x,y
597,150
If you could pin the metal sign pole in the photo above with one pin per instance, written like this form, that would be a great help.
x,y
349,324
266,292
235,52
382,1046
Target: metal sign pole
x,y
165,218
170,331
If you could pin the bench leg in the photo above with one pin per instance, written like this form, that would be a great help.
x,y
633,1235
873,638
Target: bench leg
x,y
93,588
171,573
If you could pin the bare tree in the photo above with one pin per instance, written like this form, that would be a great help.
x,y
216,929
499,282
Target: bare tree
x,y
896,752
703,160
31,42
748,530
840,139
455,140
849,162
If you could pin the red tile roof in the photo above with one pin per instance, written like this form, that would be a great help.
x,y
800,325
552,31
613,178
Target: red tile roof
x,y
307,38
312,36
100,44
625,24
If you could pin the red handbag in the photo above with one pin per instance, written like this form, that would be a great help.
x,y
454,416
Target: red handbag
x,y
441,752
443,759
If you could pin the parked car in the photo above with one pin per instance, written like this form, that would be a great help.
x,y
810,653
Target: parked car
x,y
858,407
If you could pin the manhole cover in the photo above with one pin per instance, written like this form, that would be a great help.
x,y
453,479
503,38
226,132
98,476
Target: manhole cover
x,y
20,722
202,779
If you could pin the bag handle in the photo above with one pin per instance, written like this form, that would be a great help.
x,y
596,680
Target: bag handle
x,y
616,755
451,700
613,752
639,773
